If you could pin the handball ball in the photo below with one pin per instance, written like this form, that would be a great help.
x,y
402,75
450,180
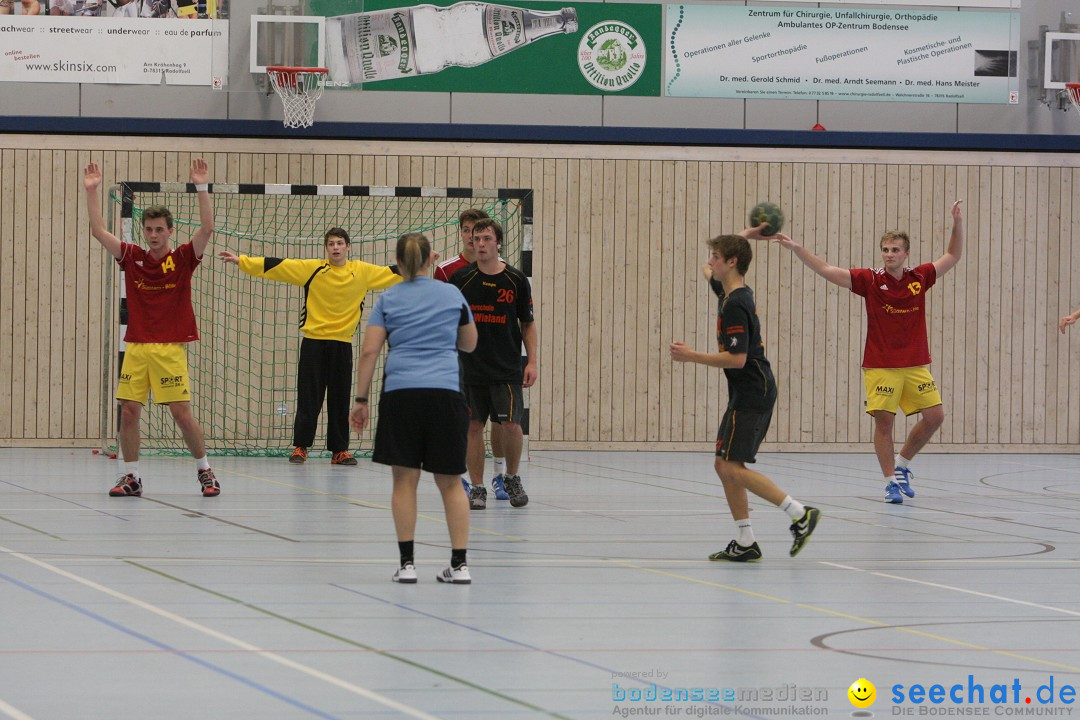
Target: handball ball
x,y
767,212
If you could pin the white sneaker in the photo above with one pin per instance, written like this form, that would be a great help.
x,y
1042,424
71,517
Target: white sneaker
x,y
457,576
405,574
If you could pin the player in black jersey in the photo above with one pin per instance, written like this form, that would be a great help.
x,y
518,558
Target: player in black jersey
x,y
501,301
751,397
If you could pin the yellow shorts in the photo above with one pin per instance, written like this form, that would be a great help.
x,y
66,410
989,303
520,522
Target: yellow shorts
x,y
911,389
158,368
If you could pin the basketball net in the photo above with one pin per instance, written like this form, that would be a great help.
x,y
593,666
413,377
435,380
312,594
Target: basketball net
x,y
299,89
1073,90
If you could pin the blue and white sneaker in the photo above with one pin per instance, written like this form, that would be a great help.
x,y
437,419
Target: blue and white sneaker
x,y
903,477
499,488
892,494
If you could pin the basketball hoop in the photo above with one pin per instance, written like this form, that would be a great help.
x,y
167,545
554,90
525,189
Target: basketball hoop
x,y
299,88
1073,90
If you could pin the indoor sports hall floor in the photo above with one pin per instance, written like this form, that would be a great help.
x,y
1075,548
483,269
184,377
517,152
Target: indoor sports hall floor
x,y
274,600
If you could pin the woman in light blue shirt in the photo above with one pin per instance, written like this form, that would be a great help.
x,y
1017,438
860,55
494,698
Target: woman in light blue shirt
x,y
423,418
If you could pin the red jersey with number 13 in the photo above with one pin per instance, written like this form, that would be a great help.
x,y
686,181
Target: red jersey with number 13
x,y
895,314
159,294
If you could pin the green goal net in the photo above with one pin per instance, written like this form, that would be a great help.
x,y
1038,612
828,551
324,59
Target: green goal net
x,y
243,368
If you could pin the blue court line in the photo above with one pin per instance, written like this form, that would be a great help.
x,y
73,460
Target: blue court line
x,y
521,644
158,644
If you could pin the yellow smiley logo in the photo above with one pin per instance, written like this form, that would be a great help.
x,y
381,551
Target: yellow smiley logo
x,y
862,693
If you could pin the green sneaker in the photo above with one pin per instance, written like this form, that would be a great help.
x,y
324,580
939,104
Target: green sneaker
x,y
803,528
735,552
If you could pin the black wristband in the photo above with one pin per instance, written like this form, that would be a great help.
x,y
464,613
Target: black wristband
x,y
361,400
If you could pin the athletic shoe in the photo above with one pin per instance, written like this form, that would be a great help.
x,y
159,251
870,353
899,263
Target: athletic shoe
x,y
343,458
477,497
298,456
734,552
803,528
892,494
455,576
499,488
903,477
210,487
129,485
465,484
516,493
405,574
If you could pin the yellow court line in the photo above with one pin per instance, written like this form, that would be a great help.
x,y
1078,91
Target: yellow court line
x,y
857,618
374,506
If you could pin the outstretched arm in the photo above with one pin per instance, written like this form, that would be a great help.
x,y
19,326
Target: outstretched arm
x,y
835,275
948,261
1068,320
91,183
200,175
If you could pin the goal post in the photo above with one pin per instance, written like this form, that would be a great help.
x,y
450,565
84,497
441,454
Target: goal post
x,y
243,367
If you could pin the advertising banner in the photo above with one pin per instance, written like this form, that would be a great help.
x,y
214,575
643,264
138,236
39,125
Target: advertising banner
x,y
850,53
126,51
529,47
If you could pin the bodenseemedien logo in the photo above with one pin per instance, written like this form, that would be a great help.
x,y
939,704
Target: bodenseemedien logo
x,y
611,55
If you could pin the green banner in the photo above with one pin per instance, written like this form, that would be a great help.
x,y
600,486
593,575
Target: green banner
x,y
528,48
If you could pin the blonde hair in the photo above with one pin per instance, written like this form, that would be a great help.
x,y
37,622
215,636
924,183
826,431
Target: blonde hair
x,y
413,251
896,235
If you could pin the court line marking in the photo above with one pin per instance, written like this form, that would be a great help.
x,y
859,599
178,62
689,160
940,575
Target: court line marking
x,y
13,712
228,639
876,623
348,641
31,527
365,503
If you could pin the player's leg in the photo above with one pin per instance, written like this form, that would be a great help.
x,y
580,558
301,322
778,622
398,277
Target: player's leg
x,y
132,391
446,431
310,389
883,389
478,400
920,395
171,383
508,410
498,455
338,388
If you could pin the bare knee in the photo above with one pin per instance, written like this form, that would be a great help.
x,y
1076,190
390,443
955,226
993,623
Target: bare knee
x,y
727,470
934,417
130,411
883,421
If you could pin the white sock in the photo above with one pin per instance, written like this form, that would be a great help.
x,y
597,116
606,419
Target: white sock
x,y
130,468
901,461
793,508
889,479
500,465
202,463
746,533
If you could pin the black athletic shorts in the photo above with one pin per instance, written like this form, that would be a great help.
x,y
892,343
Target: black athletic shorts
x,y
741,433
502,403
422,428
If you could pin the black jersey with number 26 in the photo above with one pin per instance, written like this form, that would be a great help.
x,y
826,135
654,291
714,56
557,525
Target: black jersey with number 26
x,y
499,304
738,330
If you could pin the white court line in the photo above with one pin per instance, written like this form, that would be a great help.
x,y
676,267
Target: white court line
x,y
13,713
990,596
236,642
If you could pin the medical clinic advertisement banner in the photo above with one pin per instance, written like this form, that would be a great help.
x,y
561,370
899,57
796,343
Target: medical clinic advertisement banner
x,y
849,53
129,51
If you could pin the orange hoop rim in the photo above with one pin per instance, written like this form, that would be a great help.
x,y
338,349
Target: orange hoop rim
x,y
287,74
1073,91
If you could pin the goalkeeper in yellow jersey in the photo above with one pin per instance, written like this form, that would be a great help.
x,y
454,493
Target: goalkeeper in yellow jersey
x,y
334,290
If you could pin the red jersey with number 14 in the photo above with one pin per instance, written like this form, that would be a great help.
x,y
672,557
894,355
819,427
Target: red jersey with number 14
x,y
159,294
895,314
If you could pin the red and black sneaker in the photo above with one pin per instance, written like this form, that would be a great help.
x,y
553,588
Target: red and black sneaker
x,y
298,456
209,483
127,486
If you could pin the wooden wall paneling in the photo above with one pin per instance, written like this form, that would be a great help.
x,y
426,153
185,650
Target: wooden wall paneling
x,y
1039,218
1061,258
788,315
950,335
546,299
970,309
658,368
23,226
577,309
65,374
638,243
606,257
1073,304
997,405
563,411
673,247
591,242
8,213
1016,244
31,292
828,363
849,343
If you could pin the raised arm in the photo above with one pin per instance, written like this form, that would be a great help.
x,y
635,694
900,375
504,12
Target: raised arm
x,y
948,261
1068,320
200,175
836,275
91,183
